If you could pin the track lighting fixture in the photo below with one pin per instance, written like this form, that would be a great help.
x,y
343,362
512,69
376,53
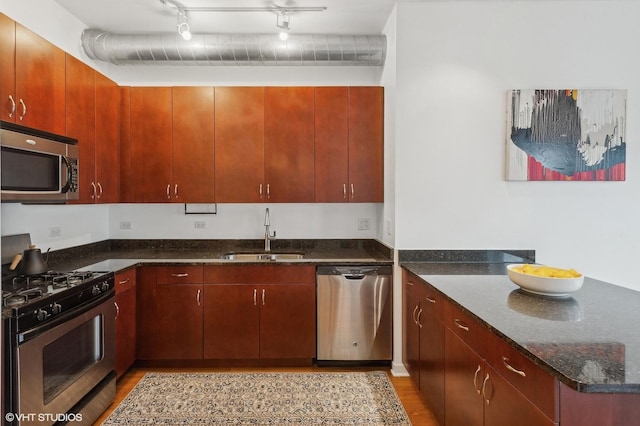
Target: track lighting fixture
x,y
282,22
183,25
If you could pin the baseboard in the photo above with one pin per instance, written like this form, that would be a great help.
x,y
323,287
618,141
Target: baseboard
x,y
398,369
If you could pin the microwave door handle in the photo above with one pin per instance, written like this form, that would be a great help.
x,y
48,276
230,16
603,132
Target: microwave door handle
x,y
67,185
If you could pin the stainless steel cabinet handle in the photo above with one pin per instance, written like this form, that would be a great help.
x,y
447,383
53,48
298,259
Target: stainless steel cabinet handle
x,y
175,190
181,275
344,190
13,106
198,297
413,315
124,281
475,379
117,309
461,325
268,191
255,297
353,191
168,190
487,399
409,283
420,318
263,292
100,188
93,190
260,190
430,299
505,361
24,109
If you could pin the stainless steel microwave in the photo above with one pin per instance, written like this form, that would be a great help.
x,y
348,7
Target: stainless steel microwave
x,y
37,167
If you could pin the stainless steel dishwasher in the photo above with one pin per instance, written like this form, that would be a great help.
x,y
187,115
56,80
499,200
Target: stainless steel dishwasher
x,y
354,314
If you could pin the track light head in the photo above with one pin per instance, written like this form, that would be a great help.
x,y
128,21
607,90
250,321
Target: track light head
x,y
282,22
183,26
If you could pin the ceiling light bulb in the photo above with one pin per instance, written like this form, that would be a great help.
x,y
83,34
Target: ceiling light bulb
x,y
284,36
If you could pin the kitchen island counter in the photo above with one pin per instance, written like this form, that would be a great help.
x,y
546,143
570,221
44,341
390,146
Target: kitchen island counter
x,y
587,340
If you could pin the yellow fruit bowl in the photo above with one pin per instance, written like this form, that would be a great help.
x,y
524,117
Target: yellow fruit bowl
x,y
545,280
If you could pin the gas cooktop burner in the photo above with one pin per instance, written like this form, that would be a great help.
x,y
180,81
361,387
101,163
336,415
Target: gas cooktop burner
x,y
24,296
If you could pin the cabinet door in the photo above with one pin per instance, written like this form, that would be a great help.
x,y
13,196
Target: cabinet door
x,y
107,140
146,325
125,320
179,321
80,119
289,144
239,144
411,352
366,144
331,144
40,78
464,375
8,101
432,363
287,321
231,321
151,144
193,145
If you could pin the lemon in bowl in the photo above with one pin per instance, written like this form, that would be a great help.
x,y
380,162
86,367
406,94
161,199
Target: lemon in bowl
x,y
545,280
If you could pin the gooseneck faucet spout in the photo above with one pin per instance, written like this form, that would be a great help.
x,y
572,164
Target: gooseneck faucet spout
x,y
267,236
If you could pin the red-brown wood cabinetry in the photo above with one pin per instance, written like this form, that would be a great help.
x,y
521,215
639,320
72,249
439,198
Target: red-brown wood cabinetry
x,y
107,149
125,285
32,79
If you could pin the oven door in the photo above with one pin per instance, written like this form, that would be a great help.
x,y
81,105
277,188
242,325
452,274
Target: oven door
x,y
58,366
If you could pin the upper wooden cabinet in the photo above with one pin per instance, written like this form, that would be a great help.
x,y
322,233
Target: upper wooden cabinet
x,y
193,148
32,79
289,144
239,144
349,144
107,149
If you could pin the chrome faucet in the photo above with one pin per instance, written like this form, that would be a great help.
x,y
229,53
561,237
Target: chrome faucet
x,y
267,236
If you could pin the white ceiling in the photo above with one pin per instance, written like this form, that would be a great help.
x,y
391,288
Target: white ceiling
x,y
150,16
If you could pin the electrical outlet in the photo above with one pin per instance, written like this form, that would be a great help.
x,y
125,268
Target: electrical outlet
x,y
199,224
125,225
55,231
364,223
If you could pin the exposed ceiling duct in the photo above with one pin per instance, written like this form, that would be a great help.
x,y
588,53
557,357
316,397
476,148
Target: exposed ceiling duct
x,y
234,49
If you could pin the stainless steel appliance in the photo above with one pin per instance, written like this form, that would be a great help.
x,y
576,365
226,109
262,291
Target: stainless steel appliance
x,y
354,314
58,345
37,166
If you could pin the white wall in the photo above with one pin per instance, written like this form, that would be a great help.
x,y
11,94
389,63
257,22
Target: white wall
x,y
455,63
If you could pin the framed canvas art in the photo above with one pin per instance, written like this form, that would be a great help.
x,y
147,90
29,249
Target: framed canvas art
x,y
571,134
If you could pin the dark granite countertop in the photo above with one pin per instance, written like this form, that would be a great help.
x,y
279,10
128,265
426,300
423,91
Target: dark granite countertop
x,y
587,340
117,255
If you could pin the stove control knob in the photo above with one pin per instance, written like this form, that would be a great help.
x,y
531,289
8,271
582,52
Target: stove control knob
x,y
56,309
42,315
95,290
105,286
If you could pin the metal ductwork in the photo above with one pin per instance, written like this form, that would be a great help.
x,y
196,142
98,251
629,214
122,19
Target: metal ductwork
x,y
231,49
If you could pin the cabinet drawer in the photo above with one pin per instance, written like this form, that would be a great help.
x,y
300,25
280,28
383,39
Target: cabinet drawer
x,y
467,328
259,274
125,280
191,274
433,302
534,383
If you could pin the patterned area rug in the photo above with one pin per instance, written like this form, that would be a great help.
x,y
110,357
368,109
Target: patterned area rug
x,y
323,398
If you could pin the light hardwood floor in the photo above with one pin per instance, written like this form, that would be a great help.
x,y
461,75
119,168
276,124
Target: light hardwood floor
x,y
415,407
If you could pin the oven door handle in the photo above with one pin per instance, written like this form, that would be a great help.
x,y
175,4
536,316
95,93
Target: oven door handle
x,y
33,332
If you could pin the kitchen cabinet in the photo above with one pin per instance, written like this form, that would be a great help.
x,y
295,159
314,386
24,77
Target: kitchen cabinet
x,y
349,144
424,341
80,92
239,144
193,144
107,139
259,312
146,326
125,287
148,161
167,145
32,79
289,144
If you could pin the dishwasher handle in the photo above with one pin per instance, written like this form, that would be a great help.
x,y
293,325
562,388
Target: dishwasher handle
x,y
354,276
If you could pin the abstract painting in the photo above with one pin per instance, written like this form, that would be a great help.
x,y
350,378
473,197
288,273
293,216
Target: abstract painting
x,y
566,135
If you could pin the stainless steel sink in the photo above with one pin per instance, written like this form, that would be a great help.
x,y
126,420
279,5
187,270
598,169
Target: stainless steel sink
x,y
262,256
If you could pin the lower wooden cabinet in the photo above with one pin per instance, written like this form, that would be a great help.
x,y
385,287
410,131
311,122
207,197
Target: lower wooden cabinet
x,y
227,312
125,286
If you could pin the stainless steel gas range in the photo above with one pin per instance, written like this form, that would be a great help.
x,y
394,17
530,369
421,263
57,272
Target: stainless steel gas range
x,y
58,346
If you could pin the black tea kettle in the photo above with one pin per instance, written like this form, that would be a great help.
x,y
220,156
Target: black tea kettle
x,y
31,262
